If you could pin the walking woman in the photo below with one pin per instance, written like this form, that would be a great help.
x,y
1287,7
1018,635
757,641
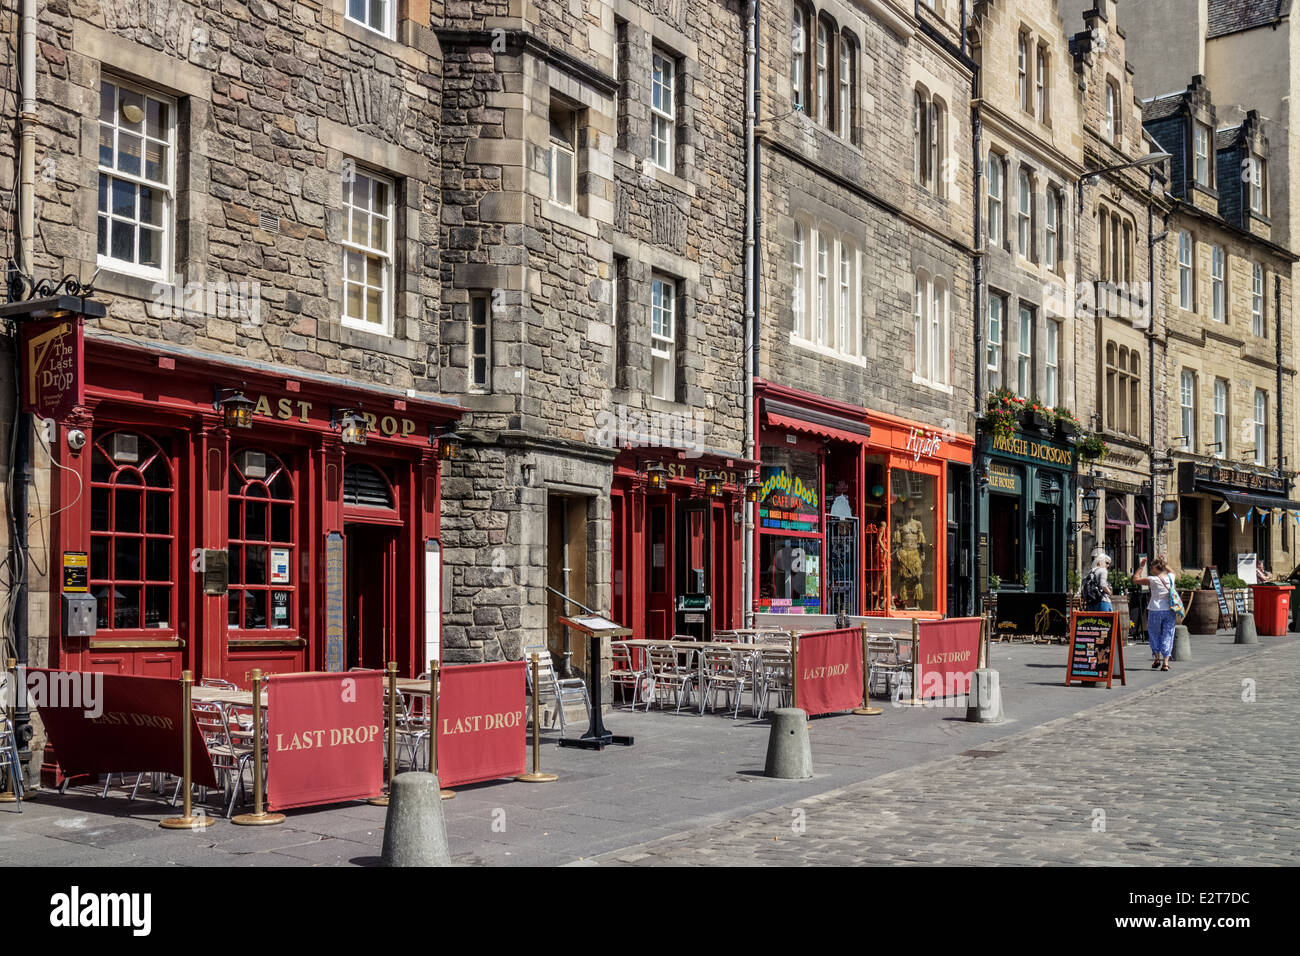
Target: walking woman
x,y
1096,590
1160,617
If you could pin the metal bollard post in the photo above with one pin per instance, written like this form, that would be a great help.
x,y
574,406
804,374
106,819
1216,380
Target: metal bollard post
x,y
866,710
536,776
259,817
433,726
794,669
187,820
10,794
382,800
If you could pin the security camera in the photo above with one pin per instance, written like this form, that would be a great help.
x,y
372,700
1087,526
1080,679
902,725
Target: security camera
x,y
76,439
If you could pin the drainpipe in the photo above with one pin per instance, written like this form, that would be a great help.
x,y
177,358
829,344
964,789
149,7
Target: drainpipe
x,y
751,332
23,421
977,299
1152,518
1277,310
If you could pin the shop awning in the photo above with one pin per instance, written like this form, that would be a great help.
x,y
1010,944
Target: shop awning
x,y
812,422
1244,501
1115,513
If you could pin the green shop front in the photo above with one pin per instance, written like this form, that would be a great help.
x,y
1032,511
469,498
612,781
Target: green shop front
x,y
1027,490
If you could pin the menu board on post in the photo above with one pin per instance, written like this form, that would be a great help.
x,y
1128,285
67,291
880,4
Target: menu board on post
x,y
1095,654
1211,580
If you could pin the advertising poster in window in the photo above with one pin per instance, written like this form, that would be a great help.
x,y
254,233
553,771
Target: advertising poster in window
x,y
790,544
279,565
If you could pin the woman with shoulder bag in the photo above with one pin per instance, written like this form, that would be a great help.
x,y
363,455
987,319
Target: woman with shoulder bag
x,y
1096,592
1160,615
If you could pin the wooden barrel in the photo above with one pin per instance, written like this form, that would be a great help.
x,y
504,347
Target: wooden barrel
x,y
1203,613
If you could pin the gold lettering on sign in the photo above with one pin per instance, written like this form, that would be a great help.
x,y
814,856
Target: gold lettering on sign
x,y
478,722
326,738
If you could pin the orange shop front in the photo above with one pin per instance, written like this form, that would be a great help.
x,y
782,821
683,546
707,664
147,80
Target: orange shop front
x,y
859,512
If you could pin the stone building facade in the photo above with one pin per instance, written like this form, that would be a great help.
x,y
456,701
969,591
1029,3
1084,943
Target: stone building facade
x,y
1032,142
866,252
1119,329
1230,342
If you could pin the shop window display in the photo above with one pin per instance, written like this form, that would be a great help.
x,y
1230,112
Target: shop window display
x,y
790,546
912,519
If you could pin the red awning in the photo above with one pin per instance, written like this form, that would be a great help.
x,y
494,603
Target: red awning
x,y
813,428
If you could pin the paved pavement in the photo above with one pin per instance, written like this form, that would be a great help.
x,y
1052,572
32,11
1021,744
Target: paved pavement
x,y
893,787
1200,769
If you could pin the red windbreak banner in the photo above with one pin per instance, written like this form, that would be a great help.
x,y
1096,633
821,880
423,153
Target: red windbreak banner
x,y
830,671
326,738
481,728
111,723
950,652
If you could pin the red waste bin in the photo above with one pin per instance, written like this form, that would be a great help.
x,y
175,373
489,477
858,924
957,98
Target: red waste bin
x,y
1272,608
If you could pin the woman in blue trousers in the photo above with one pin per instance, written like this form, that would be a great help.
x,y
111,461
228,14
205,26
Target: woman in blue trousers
x,y
1160,618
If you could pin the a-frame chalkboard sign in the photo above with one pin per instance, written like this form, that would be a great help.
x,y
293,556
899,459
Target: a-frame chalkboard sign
x,y
1096,649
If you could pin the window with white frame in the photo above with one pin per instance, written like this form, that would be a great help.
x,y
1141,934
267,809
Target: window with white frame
x,y
1052,364
1186,272
799,58
368,251
663,109
1052,246
1219,295
844,306
939,332
1187,409
995,188
1112,129
480,342
845,98
563,167
1024,215
1123,376
1256,174
374,15
1201,148
663,336
1022,71
929,144
798,279
920,354
930,328
1220,418
137,134
1261,426
993,341
1025,355
1042,76
822,321
1257,299
823,67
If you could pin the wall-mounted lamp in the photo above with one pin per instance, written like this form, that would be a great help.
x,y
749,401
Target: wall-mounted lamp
x,y
656,477
713,486
236,407
752,490
449,444
352,425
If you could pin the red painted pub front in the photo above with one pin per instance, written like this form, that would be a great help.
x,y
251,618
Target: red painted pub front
x,y
326,546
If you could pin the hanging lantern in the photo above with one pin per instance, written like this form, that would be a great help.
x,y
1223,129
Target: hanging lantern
x,y
656,477
236,408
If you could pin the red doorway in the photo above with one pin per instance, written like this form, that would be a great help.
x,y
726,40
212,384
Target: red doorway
x,y
371,564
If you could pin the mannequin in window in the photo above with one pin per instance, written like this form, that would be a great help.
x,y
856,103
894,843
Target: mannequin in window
x,y
909,549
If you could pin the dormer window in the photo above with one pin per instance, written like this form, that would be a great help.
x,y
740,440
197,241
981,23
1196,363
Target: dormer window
x,y
1201,146
1255,170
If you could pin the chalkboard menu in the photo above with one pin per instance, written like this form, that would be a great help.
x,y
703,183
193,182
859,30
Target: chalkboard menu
x,y
1211,580
1095,654
1239,599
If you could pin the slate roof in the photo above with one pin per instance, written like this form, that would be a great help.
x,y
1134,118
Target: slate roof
x,y
1226,138
1232,16
1159,107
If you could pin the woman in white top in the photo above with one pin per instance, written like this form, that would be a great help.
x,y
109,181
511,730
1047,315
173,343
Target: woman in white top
x,y
1160,617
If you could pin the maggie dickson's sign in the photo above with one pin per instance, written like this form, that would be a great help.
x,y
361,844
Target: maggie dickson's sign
x,y
326,738
54,378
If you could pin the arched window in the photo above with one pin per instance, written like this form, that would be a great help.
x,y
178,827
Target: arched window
x,y
1113,127
919,351
919,138
262,542
995,187
799,58
848,100
823,73
939,333
133,534
823,288
938,147
844,306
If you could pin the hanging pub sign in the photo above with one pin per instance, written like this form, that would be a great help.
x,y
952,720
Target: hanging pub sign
x,y
1095,653
54,379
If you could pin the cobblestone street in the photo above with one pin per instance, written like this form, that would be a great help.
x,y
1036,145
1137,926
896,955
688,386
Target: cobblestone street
x,y
1190,771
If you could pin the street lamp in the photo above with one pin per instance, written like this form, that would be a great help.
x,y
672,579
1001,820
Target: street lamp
x,y
1150,159
1090,499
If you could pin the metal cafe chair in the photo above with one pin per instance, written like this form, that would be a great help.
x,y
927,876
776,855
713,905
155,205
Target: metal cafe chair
x,y
624,673
668,674
777,678
562,690
11,768
729,670
412,730
884,664
228,757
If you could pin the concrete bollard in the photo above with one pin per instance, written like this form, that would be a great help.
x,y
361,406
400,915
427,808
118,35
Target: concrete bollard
x,y
1246,633
789,754
984,704
1182,644
414,831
